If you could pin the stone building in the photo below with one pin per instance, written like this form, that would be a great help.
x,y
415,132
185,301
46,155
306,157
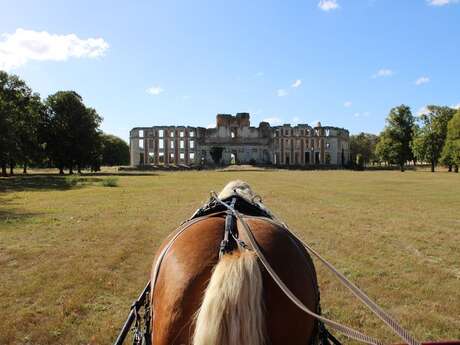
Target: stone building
x,y
235,141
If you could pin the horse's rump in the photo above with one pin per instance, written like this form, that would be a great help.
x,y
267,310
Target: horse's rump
x,y
187,267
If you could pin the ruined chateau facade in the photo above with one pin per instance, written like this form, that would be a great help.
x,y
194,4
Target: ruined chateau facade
x,y
234,141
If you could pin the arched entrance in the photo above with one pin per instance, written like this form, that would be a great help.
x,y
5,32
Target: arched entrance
x,y
233,157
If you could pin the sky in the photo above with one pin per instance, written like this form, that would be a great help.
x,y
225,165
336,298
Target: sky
x,y
344,63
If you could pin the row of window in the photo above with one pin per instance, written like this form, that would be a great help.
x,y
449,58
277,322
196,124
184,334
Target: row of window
x,y
161,144
290,142
301,132
161,156
191,133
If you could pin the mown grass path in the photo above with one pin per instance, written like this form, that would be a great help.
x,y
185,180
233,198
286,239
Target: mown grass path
x,y
73,257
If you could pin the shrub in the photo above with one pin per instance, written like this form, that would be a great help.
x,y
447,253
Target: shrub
x,y
110,182
71,180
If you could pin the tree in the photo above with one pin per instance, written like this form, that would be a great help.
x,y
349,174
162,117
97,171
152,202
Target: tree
x,y
394,144
216,154
72,131
19,114
29,141
364,144
430,138
115,151
451,151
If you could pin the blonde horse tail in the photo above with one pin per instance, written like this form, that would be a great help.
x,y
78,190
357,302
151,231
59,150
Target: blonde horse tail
x,y
232,311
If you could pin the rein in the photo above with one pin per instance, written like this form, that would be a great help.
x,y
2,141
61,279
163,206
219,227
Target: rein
x,y
345,330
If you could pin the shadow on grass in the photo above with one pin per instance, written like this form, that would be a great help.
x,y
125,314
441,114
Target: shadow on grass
x,y
14,215
44,182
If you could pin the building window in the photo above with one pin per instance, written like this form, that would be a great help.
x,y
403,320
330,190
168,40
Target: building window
x,y
172,156
171,133
151,157
171,144
233,133
191,134
182,156
141,133
141,143
181,144
161,133
161,144
181,134
192,155
192,144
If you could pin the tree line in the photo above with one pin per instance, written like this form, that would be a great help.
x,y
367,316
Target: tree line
x,y
59,131
433,138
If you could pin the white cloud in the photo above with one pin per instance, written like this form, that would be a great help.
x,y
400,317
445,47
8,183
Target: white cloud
x,y
296,83
281,93
211,125
422,110
422,80
328,5
295,120
365,114
155,90
273,121
18,48
441,2
456,106
347,104
383,72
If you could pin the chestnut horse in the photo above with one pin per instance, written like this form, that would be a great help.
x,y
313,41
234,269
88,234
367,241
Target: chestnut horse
x,y
203,296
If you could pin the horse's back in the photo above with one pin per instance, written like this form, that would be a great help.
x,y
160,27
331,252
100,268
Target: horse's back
x,y
187,268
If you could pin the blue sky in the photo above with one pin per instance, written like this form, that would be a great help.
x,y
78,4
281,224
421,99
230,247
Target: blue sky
x,y
144,63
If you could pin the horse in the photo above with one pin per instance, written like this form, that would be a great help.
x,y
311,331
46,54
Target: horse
x,y
210,288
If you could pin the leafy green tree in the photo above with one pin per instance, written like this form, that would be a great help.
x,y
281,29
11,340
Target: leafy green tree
x,y
386,149
430,138
394,144
451,152
72,131
29,141
364,144
19,116
115,151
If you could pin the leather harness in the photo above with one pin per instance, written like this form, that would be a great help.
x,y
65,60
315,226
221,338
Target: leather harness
x,y
237,209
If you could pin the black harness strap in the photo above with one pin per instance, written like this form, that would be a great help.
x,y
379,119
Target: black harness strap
x,y
228,244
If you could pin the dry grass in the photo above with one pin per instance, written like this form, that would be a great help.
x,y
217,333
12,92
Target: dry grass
x,y
73,256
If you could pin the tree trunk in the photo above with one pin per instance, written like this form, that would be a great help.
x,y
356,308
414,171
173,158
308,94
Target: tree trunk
x,y
402,167
61,170
432,166
79,169
456,169
450,167
4,174
24,169
11,169
71,170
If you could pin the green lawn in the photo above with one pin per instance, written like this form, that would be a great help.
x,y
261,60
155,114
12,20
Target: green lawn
x,y
74,254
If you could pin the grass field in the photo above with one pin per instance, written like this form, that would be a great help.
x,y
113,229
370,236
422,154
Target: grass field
x,y
74,254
